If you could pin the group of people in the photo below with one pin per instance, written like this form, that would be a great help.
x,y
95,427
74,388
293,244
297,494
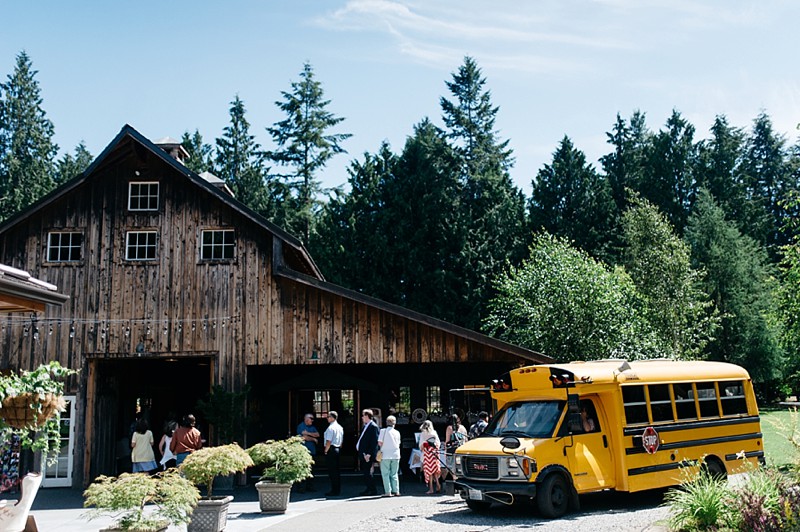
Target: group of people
x,y
175,445
382,446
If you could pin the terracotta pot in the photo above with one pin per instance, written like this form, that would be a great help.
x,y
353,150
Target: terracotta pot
x,y
273,497
210,515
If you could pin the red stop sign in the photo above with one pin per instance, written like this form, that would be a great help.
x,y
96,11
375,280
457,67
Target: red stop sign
x,y
650,440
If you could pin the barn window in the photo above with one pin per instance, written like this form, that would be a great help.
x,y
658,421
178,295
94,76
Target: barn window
x,y
143,196
433,394
218,244
140,245
64,246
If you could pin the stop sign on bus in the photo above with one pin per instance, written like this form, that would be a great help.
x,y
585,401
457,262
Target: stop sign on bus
x,y
650,440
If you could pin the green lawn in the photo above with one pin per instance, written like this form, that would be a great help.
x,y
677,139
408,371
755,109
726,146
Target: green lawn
x,y
776,427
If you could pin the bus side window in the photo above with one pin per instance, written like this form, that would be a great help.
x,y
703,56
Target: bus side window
x,y
732,398
684,401
707,399
635,404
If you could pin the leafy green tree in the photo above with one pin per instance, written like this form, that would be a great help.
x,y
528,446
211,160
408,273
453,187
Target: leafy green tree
x,y
27,150
788,311
70,166
201,157
305,145
492,209
739,281
240,161
570,199
569,306
660,265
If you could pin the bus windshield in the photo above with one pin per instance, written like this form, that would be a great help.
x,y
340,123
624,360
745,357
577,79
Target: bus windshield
x,y
528,419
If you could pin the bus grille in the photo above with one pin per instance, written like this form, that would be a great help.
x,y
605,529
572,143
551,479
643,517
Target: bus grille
x,y
480,467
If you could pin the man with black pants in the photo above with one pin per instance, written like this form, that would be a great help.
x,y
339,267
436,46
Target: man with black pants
x,y
367,447
333,442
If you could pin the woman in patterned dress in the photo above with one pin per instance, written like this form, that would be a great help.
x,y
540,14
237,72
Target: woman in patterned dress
x,y
429,444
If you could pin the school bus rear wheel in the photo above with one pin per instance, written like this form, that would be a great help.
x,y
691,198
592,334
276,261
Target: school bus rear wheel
x,y
552,497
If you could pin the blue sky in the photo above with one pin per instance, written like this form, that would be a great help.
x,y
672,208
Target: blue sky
x,y
554,67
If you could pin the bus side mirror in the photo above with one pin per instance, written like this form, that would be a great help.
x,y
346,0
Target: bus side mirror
x,y
575,423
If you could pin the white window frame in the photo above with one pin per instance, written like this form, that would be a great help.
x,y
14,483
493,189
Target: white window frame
x,y
214,246
137,245
143,197
62,248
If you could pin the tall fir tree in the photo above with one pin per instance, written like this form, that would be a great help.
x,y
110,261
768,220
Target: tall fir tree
x,y
70,166
201,156
569,199
492,211
767,181
740,282
719,158
240,161
27,150
305,145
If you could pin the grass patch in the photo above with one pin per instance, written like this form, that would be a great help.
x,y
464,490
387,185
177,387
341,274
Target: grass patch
x,y
776,425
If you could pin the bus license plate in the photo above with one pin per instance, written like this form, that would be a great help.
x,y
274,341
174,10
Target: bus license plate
x,y
475,495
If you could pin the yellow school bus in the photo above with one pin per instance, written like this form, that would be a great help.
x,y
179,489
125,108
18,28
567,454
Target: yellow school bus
x,y
567,429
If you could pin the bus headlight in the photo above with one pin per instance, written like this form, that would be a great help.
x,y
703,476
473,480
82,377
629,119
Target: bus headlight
x,y
459,470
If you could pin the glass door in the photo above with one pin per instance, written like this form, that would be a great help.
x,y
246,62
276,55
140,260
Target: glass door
x,y
59,473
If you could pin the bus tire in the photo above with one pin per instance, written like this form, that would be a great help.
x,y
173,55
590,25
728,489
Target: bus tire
x,y
715,468
478,506
552,496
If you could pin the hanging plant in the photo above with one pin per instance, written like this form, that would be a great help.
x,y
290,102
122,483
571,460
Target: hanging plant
x,y
30,403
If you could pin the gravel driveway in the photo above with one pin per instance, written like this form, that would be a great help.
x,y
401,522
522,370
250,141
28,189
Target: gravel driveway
x,y
617,512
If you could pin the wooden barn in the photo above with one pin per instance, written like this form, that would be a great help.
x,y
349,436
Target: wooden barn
x,y
174,286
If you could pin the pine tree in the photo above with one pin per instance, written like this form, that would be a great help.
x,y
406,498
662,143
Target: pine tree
x,y
239,161
27,151
304,144
718,168
200,154
740,282
492,209
569,199
70,166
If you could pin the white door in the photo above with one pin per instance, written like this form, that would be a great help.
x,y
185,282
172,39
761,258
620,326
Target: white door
x,y
59,473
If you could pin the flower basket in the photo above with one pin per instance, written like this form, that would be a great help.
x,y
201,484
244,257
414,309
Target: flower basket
x,y
31,411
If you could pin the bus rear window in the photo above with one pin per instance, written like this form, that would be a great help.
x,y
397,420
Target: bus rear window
x,y
732,397
635,405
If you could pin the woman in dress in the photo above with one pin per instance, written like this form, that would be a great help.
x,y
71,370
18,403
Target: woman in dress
x,y
167,457
455,435
142,456
429,443
389,443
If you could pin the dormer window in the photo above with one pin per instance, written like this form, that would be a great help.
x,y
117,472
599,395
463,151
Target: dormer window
x,y
143,196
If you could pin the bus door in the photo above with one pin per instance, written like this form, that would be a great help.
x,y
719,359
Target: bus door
x,y
588,447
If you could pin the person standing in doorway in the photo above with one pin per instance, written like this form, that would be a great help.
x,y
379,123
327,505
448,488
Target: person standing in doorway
x,y
367,448
185,440
310,435
167,458
389,442
142,456
334,435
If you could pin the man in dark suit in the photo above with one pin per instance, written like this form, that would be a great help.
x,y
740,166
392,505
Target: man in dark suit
x,y
367,447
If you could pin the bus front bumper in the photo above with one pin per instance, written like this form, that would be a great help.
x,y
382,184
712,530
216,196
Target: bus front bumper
x,y
481,490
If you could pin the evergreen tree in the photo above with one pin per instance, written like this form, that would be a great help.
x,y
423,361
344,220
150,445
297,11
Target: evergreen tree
x,y
492,211
669,176
767,180
660,265
571,200
70,166
718,168
739,281
569,306
239,161
27,151
305,145
201,157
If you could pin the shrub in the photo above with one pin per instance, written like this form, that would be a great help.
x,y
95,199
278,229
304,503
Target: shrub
x,y
701,503
202,466
285,461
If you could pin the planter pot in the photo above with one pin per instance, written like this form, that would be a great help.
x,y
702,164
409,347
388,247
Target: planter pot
x,y
162,528
210,515
273,497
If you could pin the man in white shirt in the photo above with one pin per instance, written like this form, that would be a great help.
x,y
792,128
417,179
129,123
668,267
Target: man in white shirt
x,y
333,436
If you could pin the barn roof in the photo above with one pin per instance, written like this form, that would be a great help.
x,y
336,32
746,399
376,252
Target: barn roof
x,y
20,292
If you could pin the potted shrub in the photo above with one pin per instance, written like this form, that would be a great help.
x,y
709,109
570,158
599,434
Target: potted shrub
x,y
201,467
29,405
285,462
124,498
